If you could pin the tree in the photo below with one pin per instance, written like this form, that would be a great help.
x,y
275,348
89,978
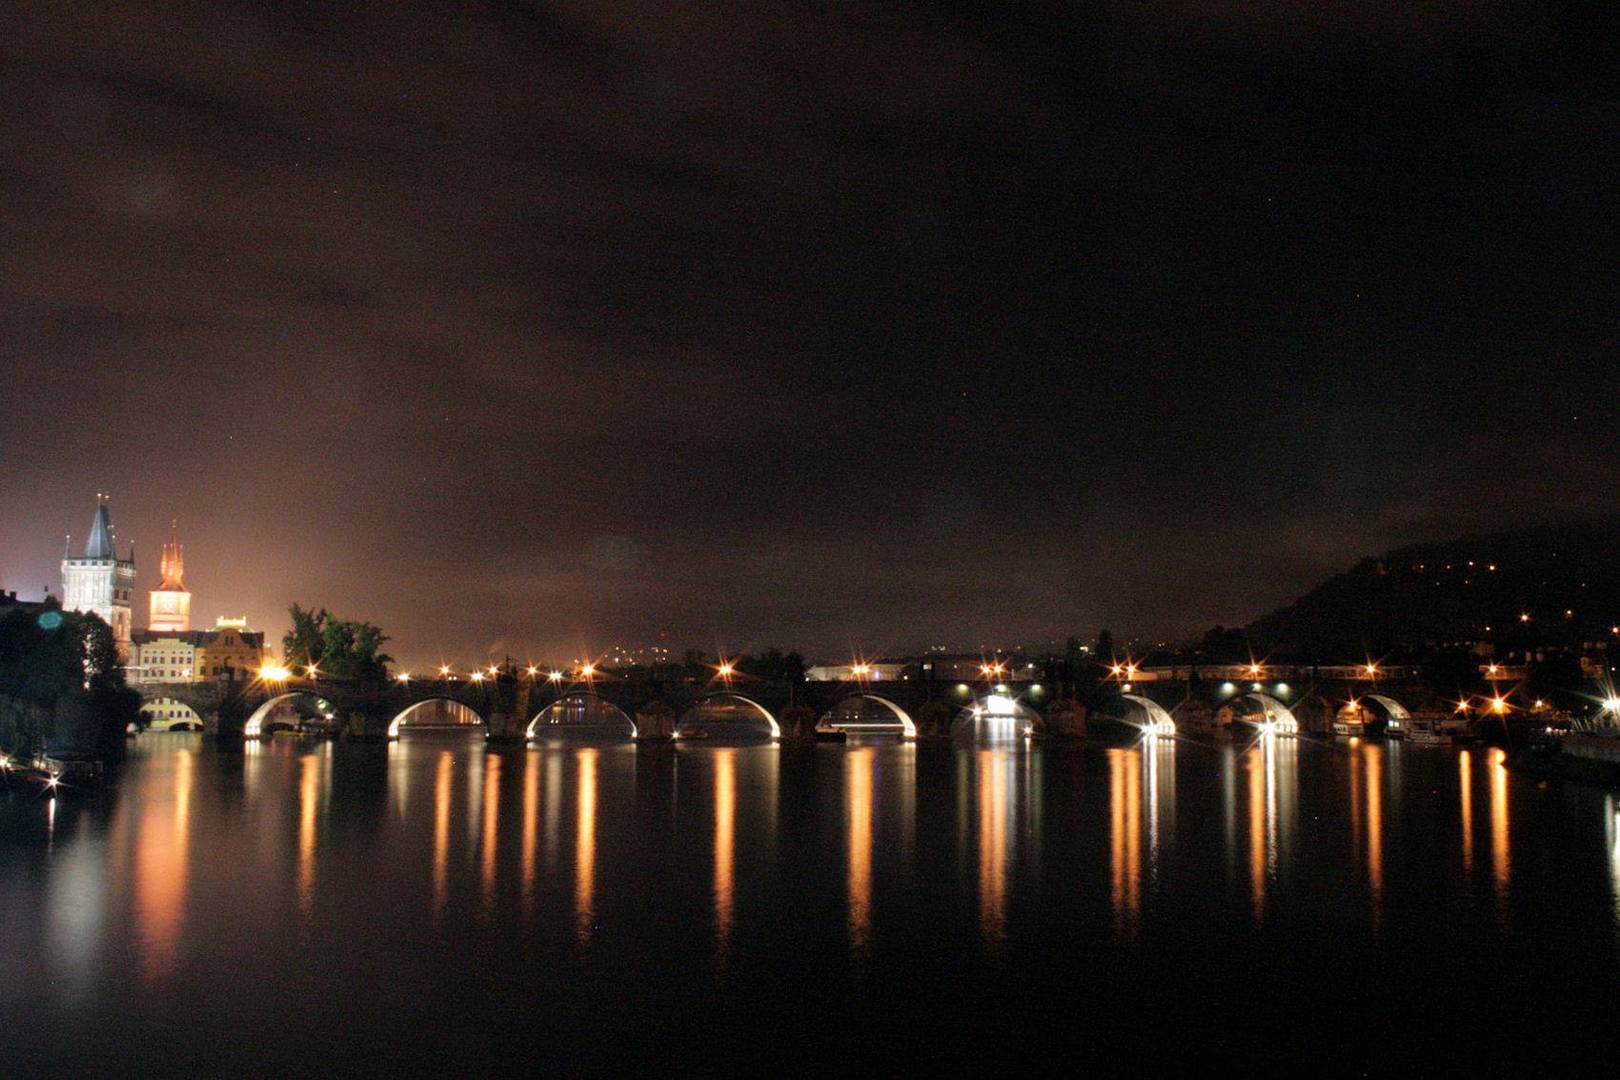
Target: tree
x,y
340,648
61,688
1104,650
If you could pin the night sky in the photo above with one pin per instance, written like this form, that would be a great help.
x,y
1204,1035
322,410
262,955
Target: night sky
x,y
539,328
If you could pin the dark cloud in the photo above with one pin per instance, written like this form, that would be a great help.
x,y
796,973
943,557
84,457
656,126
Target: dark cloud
x,y
983,323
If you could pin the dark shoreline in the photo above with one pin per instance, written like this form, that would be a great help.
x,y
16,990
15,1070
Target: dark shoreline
x,y
1550,763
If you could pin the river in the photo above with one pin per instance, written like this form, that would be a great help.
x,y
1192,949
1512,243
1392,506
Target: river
x,y
301,907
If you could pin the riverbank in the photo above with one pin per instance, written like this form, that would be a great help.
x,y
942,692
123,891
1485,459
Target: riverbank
x,y
1567,762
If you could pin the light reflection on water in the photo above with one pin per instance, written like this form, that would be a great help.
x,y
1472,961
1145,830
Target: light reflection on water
x,y
585,844
860,764
727,854
1611,826
492,817
1375,825
1499,823
1465,796
1124,833
162,866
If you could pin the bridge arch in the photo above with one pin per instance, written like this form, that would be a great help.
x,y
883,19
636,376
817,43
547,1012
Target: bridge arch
x,y
1392,709
269,716
1144,713
414,715
1372,714
581,713
861,713
995,718
727,713
1265,712
170,714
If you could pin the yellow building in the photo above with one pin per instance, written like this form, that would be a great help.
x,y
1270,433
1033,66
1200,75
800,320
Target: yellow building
x,y
229,647
163,657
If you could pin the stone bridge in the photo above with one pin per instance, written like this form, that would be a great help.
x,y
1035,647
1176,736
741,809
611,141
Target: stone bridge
x,y
1313,693
508,701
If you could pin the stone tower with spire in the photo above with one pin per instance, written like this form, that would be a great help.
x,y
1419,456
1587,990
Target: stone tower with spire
x,y
100,581
171,601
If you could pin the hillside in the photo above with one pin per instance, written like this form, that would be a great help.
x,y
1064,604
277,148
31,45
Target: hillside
x,y
1565,578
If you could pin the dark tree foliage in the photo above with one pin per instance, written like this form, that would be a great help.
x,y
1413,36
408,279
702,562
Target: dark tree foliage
x,y
1452,672
1557,677
340,648
61,688
774,666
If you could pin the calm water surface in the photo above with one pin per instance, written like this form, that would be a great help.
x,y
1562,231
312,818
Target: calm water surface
x,y
296,907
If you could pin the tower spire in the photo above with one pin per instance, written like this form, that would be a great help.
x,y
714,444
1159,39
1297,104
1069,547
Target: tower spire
x,y
100,543
172,563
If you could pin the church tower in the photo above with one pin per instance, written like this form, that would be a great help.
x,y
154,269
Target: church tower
x,y
171,602
100,581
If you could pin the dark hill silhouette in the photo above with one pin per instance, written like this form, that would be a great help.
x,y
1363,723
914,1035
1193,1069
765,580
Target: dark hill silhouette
x,y
1565,577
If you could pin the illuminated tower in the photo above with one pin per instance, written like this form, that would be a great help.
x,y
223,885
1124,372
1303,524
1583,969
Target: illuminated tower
x,y
100,581
171,602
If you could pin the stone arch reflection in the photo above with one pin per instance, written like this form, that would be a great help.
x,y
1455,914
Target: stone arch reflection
x,y
727,716
1144,714
1269,715
581,715
996,719
170,714
295,710
868,714
436,714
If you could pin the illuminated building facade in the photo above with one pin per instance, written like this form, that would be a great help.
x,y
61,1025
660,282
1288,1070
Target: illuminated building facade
x,y
163,657
99,581
170,602
230,647
196,655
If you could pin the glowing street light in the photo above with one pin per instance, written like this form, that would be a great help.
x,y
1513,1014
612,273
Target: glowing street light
x,y
478,676
274,673
1499,705
555,676
403,677
444,671
587,669
533,671
1371,670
